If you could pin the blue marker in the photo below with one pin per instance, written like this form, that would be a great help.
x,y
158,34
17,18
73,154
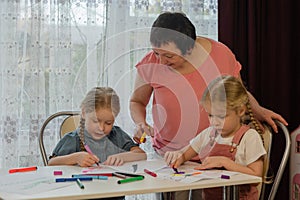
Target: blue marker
x,y
73,179
93,177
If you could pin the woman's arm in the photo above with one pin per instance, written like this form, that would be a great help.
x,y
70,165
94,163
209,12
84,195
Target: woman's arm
x,y
138,103
263,114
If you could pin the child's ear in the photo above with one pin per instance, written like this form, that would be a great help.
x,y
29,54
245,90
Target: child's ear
x,y
242,110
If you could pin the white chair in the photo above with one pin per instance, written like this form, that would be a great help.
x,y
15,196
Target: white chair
x,y
69,121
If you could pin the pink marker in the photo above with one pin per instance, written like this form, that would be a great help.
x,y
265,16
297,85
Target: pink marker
x,y
57,173
90,151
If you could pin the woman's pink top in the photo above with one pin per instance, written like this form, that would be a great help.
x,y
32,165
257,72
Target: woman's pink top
x,y
177,114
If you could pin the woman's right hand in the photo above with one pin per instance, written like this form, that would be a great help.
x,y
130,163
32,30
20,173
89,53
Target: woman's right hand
x,y
142,128
85,159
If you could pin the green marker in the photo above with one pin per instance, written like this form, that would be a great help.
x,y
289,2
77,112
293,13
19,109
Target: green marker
x,y
79,183
127,180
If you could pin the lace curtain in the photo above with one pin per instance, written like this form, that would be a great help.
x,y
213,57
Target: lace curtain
x,y
52,52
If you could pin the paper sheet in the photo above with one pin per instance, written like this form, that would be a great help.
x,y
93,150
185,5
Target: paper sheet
x,y
29,183
188,170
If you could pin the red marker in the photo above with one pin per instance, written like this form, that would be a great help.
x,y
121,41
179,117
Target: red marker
x,y
150,173
23,169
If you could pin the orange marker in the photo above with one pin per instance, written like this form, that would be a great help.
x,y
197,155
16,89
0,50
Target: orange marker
x,y
23,169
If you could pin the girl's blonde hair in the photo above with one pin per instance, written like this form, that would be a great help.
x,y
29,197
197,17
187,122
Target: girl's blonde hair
x,y
230,91
98,98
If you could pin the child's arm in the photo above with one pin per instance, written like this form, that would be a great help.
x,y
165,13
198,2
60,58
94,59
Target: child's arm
x,y
176,158
135,153
83,159
255,168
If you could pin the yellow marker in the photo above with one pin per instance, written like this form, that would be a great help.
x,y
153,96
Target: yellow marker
x,y
142,140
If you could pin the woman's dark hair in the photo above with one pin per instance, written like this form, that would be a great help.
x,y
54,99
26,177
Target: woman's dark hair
x,y
173,27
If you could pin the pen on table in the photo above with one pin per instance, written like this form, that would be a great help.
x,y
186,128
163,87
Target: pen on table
x,y
119,175
93,177
128,174
127,180
150,173
23,169
90,151
73,179
223,176
79,183
192,174
95,174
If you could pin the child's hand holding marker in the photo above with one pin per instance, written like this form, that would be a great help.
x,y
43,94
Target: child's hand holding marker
x,y
90,152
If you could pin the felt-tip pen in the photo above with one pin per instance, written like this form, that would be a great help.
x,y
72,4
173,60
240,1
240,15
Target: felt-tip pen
x,y
128,174
73,179
79,183
90,152
119,175
142,140
150,173
23,169
94,174
93,177
223,176
127,180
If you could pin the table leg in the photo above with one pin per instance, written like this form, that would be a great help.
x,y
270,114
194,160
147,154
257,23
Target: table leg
x,y
236,192
231,192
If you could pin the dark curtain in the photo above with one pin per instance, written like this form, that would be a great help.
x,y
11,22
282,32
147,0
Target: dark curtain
x,y
265,37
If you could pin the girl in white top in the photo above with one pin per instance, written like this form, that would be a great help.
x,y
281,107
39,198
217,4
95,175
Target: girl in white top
x,y
228,143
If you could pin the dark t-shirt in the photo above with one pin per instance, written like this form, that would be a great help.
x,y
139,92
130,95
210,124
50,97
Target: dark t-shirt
x,y
116,142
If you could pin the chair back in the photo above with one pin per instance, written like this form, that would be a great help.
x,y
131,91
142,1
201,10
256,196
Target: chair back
x,y
69,123
270,176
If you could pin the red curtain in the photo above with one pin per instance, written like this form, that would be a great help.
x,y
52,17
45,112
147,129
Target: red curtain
x,y
265,37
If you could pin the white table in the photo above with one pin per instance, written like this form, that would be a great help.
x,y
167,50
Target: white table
x,y
110,187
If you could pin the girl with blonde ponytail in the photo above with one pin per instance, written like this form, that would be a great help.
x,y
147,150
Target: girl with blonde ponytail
x,y
228,143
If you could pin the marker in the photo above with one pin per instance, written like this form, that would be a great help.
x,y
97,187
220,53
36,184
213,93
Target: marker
x,y
79,183
73,179
127,180
128,174
142,140
119,175
90,151
95,174
23,169
150,173
176,171
223,176
193,174
93,177
55,173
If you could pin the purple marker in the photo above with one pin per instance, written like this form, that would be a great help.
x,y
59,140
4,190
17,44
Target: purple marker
x,y
223,176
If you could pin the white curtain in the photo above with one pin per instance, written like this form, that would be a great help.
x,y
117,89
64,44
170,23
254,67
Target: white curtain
x,y
53,51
